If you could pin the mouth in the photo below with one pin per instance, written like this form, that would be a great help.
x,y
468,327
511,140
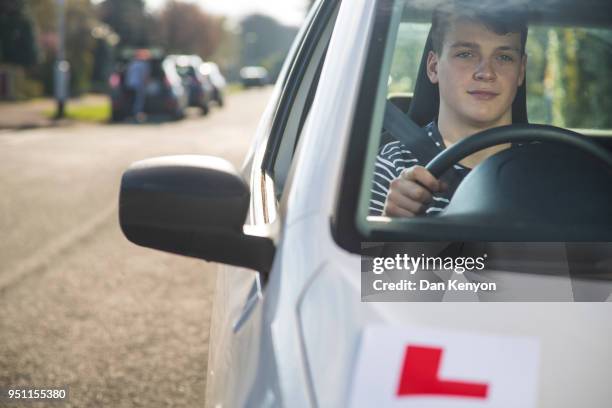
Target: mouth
x,y
483,95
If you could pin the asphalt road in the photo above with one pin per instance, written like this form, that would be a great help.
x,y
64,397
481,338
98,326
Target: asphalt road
x,y
122,326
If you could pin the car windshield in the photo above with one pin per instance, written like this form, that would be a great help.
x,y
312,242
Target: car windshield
x,y
567,80
568,72
185,71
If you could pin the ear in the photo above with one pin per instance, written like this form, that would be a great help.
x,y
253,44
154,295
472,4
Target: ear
x,y
523,69
432,67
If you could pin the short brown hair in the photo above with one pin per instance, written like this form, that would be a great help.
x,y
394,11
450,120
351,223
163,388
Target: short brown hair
x,y
497,21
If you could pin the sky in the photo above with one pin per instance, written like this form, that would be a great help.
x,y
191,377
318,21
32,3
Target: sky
x,y
288,12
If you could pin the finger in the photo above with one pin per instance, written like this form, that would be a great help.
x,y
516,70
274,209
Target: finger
x,y
410,189
422,176
406,203
418,193
392,210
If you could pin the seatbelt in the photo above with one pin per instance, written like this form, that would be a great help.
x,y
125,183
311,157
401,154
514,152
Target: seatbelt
x,y
414,138
408,133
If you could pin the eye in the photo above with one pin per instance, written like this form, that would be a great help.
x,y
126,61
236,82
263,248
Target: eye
x,y
464,54
505,58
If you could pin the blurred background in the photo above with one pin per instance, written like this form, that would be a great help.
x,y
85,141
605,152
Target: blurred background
x,y
89,38
82,307
568,79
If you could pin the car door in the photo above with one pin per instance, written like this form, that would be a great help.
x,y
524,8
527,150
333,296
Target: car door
x,y
236,352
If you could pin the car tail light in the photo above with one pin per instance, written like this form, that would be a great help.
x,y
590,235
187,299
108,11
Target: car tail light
x,y
114,80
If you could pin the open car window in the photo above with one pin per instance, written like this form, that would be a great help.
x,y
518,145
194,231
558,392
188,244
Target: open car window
x,y
568,73
298,95
568,86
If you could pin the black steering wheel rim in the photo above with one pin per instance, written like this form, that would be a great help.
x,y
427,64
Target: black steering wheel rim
x,y
519,133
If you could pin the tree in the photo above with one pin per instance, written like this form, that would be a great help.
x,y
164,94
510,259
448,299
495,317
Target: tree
x,y
265,42
80,43
129,19
103,55
81,23
568,77
17,35
229,51
186,29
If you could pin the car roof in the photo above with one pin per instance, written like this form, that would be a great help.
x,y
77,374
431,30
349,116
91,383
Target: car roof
x,y
555,12
183,59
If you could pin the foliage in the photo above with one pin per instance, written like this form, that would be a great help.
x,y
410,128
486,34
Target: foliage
x,y
265,42
80,21
97,31
568,73
227,54
186,29
129,19
406,59
568,77
103,55
17,34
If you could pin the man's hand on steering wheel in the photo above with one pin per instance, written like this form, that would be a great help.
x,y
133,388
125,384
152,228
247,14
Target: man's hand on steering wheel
x,y
410,193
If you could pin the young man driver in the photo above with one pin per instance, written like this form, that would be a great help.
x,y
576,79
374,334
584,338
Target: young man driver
x,y
478,63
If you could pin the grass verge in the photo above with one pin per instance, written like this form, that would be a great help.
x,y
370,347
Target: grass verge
x,y
87,113
233,88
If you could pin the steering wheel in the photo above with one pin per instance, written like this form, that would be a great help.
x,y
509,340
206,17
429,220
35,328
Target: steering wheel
x,y
558,190
522,133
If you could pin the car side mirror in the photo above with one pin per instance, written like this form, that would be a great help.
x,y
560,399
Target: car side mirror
x,y
194,206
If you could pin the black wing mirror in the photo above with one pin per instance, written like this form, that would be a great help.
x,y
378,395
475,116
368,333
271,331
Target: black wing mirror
x,y
194,206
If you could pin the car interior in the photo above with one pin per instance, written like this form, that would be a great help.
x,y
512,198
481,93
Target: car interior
x,y
522,202
560,241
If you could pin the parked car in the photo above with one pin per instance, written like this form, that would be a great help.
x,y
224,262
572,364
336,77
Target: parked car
x,y
201,90
165,93
293,322
254,76
211,71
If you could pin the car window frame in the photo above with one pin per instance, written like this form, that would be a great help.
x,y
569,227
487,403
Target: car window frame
x,y
348,229
325,11
343,221
261,212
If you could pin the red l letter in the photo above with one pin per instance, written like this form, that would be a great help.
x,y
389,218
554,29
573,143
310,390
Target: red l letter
x,y
420,376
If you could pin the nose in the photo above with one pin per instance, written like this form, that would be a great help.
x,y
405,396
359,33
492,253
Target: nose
x,y
484,71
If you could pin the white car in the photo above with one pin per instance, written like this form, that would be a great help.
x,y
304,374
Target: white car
x,y
298,321
212,71
254,76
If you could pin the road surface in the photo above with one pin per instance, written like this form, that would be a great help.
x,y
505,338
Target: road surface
x,y
122,326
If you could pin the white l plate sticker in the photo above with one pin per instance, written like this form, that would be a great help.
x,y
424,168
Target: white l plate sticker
x,y
425,368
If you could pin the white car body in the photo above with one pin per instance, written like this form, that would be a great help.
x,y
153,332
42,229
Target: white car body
x,y
211,69
298,339
297,332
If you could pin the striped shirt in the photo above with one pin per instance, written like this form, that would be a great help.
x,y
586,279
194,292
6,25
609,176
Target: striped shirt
x,y
394,157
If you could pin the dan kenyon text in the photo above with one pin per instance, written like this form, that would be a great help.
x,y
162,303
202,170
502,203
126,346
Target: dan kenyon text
x,y
407,266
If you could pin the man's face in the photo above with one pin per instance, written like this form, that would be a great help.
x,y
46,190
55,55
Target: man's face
x,y
478,73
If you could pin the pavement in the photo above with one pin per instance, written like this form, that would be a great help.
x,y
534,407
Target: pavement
x,y
35,113
120,325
